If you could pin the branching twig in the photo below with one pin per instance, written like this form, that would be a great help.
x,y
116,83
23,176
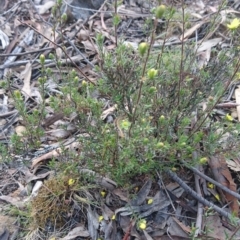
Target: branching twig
x,y
235,231
198,197
228,83
166,192
200,205
58,45
236,195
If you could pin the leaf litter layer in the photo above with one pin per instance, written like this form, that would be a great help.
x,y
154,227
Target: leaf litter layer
x,y
103,140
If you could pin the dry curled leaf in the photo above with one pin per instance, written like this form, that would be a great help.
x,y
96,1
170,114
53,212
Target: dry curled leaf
x,y
20,130
76,232
222,175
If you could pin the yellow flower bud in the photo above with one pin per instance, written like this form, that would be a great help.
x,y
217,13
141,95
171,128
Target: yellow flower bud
x,y
210,98
84,83
152,89
145,140
203,160
160,144
160,11
51,56
142,48
42,59
183,144
64,17
162,117
152,73
17,94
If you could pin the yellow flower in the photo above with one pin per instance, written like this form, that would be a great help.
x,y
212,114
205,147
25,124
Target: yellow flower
x,y
103,193
113,217
217,197
150,201
142,224
229,118
210,185
100,218
71,181
234,24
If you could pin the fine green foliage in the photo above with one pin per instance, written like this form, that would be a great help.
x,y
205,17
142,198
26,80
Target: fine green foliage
x,y
164,105
164,110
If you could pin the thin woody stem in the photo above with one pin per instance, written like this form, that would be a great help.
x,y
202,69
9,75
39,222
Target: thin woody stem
x,y
57,45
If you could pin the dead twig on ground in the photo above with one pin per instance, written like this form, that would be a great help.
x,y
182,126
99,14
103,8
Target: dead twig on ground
x,y
200,198
236,195
57,45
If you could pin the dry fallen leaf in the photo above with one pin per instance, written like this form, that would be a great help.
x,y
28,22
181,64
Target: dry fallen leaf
x,y
177,228
15,201
55,153
237,96
147,236
4,39
93,223
190,31
203,58
58,133
108,111
76,232
218,231
45,7
234,165
142,194
222,175
83,35
26,76
208,44
122,195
